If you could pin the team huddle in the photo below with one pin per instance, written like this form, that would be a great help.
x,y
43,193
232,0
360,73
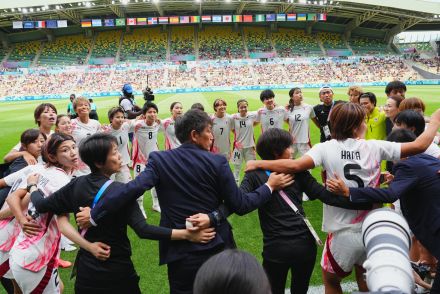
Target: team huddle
x,y
100,173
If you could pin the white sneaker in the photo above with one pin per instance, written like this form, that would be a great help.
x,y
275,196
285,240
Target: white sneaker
x,y
156,208
68,248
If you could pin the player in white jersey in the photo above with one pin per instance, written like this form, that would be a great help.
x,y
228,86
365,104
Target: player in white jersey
x,y
120,128
34,257
357,162
270,116
63,124
244,142
221,129
45,117
82,127
9,227
145,142
171,140
299,116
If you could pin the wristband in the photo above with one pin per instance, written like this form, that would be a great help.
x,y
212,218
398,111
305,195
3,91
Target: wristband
x,y
28,188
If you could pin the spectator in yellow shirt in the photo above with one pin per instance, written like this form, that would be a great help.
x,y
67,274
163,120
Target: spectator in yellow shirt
x,y
375,120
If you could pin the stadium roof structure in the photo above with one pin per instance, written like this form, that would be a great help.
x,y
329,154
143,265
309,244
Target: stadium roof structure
x,y
375,18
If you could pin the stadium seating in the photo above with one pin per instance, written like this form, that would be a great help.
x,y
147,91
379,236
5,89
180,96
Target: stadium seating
x,y
332,41
182,40
3,53
25,51
220,42
293,42
106,44
144,45
257,39
420,47
366,46
68,50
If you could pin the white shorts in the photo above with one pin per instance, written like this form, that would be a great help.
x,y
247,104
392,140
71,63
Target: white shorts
x,y
28,280
123,176
238,155
138,168
342,250
299,149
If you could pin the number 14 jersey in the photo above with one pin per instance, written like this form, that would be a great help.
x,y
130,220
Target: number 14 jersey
x,y
357,163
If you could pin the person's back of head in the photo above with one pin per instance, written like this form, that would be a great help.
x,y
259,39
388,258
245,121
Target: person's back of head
x,y
401,136
193,120
410,120
198,106
232,272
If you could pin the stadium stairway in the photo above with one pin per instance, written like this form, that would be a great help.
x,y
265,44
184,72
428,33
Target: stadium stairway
x,y
321,46
348,46
243,39
169,45
6,56
196,42
92,46
37,56
118,53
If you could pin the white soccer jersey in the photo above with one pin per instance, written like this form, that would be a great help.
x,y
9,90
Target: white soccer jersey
x,y
171,141
221,130
433,150
35,253
144,141
121,136
80,131
244,130
357,162
9,227
271,118
299,123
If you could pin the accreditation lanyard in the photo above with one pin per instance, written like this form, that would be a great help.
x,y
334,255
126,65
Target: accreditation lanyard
x,y
296,210
96,199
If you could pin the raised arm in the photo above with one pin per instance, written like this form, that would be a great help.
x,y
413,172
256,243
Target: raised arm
x,y
242,203
121,195
282,165
14,154
424,140
314,190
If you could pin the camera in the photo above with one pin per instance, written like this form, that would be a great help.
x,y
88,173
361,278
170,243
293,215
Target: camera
x,y
387,240
148,94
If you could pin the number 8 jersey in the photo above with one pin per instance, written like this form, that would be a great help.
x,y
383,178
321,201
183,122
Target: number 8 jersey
x,y
357,163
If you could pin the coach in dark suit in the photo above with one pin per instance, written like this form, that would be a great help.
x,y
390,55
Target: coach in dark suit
x,y
189,180
417,184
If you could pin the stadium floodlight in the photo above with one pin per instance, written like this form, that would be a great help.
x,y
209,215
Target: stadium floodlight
x,y
88,4
24,10
125,2
228,1
155,1
263,1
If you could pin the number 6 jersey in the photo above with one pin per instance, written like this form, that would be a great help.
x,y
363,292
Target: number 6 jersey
x,y
357,163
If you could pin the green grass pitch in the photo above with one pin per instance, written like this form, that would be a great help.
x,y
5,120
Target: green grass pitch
x,y
15,117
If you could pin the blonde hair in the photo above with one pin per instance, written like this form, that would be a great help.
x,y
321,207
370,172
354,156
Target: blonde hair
x,y
80,99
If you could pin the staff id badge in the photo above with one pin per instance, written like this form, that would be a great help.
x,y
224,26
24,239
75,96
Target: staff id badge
x,y
326,130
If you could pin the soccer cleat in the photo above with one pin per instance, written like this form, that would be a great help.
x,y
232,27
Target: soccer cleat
x,y
68,248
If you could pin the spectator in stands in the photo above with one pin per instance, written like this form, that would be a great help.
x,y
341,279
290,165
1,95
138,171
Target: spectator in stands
x,y
354,92
395,88
232,272
375,119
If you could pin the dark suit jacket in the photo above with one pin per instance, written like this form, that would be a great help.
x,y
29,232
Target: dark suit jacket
x,y
417,184
188,180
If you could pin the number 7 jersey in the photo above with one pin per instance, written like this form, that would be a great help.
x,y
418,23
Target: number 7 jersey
x,y
357,163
